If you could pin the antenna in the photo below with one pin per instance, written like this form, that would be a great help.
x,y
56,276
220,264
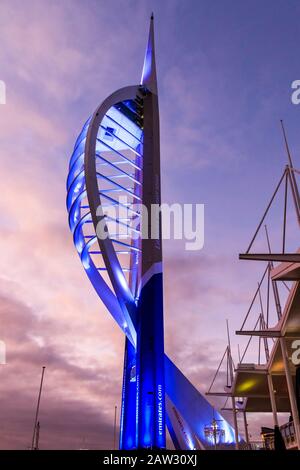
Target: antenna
x,y
149,79
36,423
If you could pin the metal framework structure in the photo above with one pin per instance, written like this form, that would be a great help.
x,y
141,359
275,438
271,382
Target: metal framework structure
x,y
274,385
114,168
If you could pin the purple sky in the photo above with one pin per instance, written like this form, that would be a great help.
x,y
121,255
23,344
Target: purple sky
x,y
225,70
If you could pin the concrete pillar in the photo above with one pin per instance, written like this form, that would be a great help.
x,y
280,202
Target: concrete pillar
x,y
291,390
272,399
246,429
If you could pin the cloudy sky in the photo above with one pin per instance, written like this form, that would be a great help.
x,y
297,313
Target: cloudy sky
x,y
225,70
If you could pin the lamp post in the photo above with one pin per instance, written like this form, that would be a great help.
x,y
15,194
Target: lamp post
x,y
214,431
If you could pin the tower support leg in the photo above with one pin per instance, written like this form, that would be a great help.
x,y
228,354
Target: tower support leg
x,y
128,421
150,370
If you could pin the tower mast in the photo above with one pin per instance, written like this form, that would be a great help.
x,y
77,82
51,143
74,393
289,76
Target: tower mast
x,y
150,335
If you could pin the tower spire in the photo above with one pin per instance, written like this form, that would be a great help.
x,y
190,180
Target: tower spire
x,y
149,79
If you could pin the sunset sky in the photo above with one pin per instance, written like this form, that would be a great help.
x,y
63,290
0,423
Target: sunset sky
x,y
225,70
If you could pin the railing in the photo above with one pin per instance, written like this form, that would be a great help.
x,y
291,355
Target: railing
x,y
288,434
256,445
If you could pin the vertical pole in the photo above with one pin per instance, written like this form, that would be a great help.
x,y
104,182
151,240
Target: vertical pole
x,y
115,427
246,429
236,431
37,408
263,326
37,436
215,433
272,399
284,212
235,423
259,340
291,391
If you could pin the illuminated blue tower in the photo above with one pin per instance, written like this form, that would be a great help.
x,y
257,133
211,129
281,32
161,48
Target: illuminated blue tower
x,y
119,170
113,181
143,382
